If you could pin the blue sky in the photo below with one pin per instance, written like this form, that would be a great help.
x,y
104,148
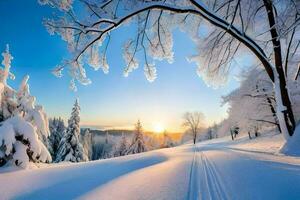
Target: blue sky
x,y
111,100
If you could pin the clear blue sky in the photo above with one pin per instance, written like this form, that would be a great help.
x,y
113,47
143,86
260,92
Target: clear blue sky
x,y
111,100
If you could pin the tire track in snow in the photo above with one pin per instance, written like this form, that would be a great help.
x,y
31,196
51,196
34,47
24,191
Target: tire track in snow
x,y
205,181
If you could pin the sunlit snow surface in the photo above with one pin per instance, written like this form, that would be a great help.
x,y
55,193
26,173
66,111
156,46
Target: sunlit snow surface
x,y
219,169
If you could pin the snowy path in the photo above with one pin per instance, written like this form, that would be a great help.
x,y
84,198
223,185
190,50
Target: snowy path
x,y
229,173
209,171
210,185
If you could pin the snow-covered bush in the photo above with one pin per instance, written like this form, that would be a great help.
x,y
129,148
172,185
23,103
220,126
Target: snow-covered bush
x,y
23,125
70,148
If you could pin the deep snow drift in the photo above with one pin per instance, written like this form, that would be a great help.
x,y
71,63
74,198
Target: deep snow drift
x,y
218,169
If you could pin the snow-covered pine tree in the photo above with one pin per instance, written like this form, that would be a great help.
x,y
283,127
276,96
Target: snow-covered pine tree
x,y
138,144
122,146
32,113
70,148
107,150
8,103
57,130
23,125
86,140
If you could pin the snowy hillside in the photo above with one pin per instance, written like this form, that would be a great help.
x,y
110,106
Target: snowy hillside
x,y
219,169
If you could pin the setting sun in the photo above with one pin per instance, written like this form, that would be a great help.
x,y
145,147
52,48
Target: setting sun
x,y
158,128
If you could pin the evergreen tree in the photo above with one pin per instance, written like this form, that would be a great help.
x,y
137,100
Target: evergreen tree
x,y
24,128
107,147
86,140
57,130
138,144
70,148
122,146
32,113
7,98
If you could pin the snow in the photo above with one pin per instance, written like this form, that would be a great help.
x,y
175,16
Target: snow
x,y
7,136
215,169
20,156
291,147
17,126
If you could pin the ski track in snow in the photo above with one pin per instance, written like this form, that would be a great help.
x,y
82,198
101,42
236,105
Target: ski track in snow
x,y
205,181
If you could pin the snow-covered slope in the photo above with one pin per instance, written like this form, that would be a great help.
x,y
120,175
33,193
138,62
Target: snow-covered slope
x,y
218,169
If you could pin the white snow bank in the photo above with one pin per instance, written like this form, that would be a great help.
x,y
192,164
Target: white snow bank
x,y
267,143
292,145
69,181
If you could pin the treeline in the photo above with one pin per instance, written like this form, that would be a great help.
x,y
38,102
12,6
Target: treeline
x,y
98,144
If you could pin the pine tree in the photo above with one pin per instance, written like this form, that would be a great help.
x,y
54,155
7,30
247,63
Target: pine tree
x,y
138,144
24,126
122,146
107,147
57,130
32,113
7,98
70,148
86,140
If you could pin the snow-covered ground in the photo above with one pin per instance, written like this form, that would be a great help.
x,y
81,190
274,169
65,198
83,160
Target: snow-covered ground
x,y
218,169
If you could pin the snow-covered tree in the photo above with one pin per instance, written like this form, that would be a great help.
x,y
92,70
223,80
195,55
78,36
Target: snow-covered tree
x,y
152,141
7,98
24,127
167,141
252,104
107,148
32,113
137,144
70,148
122,146
268,29
209,133
212,131
103,146
86,140
57,130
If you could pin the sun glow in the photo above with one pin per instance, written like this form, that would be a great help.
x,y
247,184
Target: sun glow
x,y
158,128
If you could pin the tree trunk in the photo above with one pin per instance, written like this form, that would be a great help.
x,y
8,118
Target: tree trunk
x,y
195,138
270,104
284,107
273,113
231,134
